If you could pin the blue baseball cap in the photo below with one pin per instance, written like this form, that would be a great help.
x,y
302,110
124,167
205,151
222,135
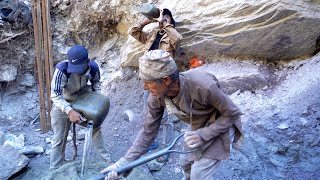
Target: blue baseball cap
x,y
77,60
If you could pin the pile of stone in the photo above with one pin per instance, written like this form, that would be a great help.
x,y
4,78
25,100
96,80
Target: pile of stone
x,y
14,154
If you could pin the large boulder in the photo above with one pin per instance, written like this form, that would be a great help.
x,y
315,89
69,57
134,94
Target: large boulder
x,y
276,29
11,161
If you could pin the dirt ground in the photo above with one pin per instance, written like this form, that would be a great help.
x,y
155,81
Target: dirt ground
x,y
292,102
279,101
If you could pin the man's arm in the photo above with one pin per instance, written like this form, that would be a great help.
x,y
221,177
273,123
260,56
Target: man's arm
x,y
145,137
137,33
95,81
228,110
150,130
173,34
59,81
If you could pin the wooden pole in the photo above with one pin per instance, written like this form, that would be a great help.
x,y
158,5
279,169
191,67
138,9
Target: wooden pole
x,y
40,33
49,39
36,12
46,57
49,50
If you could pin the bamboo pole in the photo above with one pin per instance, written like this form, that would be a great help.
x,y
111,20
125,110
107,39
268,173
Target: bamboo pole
x,y
38,42
46,57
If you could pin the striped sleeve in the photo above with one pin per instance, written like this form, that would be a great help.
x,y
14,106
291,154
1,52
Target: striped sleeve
x,y
59,81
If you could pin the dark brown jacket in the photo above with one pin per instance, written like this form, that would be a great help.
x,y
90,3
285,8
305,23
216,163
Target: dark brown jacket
x,y
213,114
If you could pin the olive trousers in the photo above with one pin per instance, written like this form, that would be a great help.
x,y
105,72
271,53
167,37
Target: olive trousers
x,y
59,121
202,169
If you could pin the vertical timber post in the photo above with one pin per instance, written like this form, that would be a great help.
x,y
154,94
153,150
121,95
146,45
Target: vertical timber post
x,y
46,57
42,38
38,42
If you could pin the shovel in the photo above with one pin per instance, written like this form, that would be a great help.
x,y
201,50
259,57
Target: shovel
x,y
142,160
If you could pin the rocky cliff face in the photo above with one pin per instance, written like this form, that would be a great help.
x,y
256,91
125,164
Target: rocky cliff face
x,y
274,30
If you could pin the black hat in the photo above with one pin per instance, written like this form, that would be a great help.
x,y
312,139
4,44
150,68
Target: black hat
x,y
168,12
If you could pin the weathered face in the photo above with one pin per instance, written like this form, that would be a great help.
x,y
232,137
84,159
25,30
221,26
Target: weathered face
x,y
155,88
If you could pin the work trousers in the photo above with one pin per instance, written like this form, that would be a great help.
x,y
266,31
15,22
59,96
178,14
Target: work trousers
x,y
59,121
202,169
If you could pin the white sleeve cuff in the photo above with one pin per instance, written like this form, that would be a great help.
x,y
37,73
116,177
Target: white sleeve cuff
x,y
67,109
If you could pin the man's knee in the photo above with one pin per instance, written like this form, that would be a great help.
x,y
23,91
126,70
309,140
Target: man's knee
x,y
204,169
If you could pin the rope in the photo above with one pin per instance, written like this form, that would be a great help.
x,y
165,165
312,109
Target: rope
x,y
65,137
74,138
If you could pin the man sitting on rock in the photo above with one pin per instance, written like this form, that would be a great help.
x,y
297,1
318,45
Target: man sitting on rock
x,y
197,99
70,80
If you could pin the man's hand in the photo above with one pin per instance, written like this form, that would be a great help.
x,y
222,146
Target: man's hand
x,y
112,175
159,19
74,116
193,140
145,22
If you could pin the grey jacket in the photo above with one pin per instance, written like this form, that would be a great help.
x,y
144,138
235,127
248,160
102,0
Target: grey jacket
x,y
213,114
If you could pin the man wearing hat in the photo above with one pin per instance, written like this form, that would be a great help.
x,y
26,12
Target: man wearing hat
x,y
70,79
163,37
197,99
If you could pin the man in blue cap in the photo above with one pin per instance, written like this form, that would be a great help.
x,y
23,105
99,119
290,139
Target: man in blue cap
x,y
69,81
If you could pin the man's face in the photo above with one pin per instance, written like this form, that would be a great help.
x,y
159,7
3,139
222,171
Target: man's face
x,y
165,18
85,70
155,88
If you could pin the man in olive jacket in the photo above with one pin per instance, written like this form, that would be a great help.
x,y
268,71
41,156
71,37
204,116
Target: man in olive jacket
x,y
197,99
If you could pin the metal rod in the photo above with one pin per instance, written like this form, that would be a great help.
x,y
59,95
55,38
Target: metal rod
x,y
142,160
133,164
